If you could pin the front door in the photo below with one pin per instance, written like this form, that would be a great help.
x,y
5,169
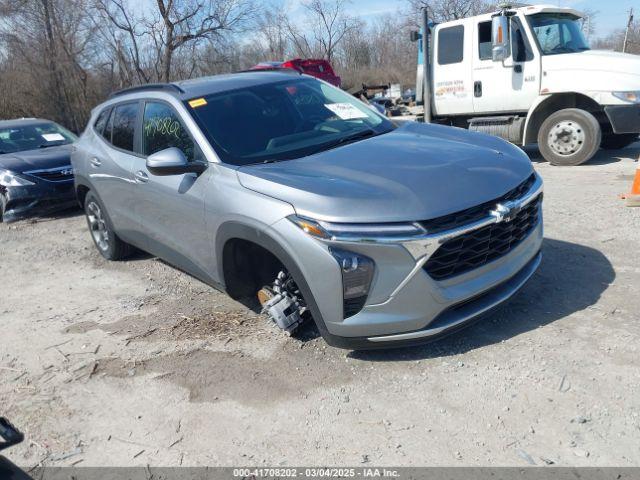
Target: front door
x,y
489,77
509,86
171,208
524,81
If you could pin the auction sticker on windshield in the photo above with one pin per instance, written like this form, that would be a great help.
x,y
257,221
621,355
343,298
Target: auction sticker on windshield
x,y
345,111
53,137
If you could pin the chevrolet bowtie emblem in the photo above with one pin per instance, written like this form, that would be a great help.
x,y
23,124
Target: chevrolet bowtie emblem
x,y
505,212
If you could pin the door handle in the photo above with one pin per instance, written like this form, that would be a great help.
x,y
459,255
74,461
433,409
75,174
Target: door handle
x,y
95,162
477,89
141,177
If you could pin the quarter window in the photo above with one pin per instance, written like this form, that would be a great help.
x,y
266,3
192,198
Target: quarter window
x,y
451,45
101,121
124,126
163,129
109,127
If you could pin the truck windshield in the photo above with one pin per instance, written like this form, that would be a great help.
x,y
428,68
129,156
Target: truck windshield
x,y
283,120
558,33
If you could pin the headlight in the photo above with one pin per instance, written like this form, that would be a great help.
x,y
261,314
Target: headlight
x,y
10,179
357,274
358,231
633,97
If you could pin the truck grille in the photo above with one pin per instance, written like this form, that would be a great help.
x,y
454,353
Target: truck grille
x,y
470,215
479,247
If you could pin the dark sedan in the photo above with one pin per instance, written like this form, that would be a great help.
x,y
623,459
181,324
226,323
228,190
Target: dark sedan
x,y
36,176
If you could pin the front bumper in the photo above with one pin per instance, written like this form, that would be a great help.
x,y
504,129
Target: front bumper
x,y
405,304
624,118
40,199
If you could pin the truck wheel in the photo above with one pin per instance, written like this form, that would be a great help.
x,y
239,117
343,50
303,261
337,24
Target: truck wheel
x,y
611,141
569,137
105,239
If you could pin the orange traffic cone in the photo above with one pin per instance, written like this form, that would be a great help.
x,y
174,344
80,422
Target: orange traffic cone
x,y
633,197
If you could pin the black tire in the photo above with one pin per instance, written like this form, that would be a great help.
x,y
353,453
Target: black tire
x,y
104,237
612,141
569,137
3,206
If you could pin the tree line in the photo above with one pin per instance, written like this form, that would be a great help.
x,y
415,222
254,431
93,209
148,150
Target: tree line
x,y
59,58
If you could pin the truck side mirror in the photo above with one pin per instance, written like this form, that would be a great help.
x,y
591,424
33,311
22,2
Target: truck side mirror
x,y
500,38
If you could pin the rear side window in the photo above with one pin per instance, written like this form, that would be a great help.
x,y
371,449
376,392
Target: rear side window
x,y
162,129
101,121
124,126
451,45
484,41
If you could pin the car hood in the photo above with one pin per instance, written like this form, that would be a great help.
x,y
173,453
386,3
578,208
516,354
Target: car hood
x,y
416,172
598,70
41,159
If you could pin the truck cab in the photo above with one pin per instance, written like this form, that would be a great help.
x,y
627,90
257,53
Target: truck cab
x,y
527,74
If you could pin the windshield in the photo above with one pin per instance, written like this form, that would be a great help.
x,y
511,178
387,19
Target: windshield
x,y
33,136
283,120
558,33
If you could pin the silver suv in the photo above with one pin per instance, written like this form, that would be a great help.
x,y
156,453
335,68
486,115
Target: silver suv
x,y
283,189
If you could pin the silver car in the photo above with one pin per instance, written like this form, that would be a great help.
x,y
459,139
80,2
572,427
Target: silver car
x,y
290,194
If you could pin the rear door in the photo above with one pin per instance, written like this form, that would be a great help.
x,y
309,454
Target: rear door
x,y
452,85
110,164
171,208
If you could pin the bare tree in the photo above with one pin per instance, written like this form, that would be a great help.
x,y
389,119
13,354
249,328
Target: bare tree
x,y
327,23
445,10
615,40
48,43
169,27
272,25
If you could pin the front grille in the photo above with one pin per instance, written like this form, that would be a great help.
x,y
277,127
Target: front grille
x,y
470,215
479,247
54,175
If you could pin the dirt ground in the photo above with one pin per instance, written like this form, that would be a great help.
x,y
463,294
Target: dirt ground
x,y
135,363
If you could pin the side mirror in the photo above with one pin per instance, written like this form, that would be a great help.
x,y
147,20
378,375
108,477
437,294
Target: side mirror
x,y
172,161
500,38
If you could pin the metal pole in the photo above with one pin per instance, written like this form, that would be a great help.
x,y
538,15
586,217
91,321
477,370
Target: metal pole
x,y
426,76
626,33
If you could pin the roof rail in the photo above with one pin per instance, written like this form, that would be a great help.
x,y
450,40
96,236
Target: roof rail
x,y
148,87
289,70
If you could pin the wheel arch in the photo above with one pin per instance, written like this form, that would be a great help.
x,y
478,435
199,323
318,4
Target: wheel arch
x,y
232,232
82,187
549,104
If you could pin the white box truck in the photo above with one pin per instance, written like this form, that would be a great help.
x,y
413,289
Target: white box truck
x,y
527,74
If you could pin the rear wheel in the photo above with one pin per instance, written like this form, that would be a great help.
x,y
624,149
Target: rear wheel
x,y
104,237
569,137
612,141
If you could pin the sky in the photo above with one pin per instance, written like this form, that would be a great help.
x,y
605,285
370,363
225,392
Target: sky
x,y
611,14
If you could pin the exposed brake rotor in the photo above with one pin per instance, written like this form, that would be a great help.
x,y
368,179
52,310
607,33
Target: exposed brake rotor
x,y
283,302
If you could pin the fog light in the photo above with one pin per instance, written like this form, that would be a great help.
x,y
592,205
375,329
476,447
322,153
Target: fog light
x,y
357,275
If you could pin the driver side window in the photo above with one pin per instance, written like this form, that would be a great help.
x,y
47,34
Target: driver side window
x,y
162,129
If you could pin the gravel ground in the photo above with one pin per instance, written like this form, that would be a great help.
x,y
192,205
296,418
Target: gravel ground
x,y
135,363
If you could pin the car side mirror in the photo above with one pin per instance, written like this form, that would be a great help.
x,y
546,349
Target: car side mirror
x,y
172,161
500,38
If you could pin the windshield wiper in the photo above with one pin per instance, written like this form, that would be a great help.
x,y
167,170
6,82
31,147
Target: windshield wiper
x,y
47,145
354,137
